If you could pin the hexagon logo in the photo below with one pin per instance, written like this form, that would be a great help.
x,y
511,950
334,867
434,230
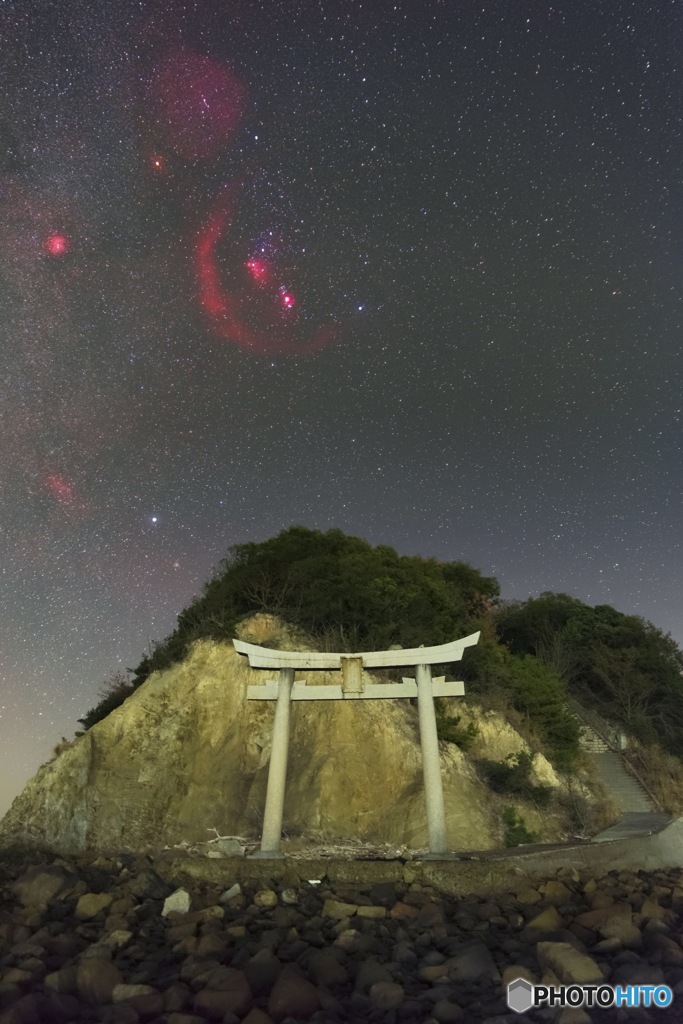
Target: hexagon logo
x,y
520,995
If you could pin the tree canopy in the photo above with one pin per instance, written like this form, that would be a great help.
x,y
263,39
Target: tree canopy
x,y
339,589
619,664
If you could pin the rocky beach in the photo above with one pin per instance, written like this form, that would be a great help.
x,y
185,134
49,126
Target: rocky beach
x,y
126,938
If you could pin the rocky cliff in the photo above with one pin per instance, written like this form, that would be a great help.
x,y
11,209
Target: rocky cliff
x,y
188,753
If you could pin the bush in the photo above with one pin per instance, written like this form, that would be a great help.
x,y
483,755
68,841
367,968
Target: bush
x,y
513,776
516,832
449,730
113,693
584,816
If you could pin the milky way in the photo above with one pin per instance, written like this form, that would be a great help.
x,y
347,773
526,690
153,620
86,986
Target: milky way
x,y
408,270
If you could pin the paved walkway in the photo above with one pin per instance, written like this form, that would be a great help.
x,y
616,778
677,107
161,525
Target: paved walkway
x,y
638,823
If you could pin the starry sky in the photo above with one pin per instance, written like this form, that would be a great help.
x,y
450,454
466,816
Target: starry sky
x,y
407,268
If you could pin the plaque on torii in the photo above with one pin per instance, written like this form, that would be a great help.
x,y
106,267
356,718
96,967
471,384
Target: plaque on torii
x,y
354,687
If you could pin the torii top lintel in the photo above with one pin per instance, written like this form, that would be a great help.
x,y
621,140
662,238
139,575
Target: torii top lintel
x,y
263,657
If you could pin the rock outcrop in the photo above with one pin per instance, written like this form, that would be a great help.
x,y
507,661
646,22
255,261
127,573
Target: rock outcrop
x,y
187,753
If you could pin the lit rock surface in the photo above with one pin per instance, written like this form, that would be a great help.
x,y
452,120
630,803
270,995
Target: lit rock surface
x,y
185,760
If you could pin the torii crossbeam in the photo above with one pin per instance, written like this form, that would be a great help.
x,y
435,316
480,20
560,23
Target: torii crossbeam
x,y
354,687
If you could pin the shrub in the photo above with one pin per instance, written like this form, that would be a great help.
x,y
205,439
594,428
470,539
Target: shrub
x,y
584,816
661,772
112,693
516,832
513,776
449,730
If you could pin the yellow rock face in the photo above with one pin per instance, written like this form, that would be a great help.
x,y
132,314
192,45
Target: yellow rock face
x,y
188,753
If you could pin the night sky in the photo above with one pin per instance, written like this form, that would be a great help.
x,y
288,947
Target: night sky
x,y
408,268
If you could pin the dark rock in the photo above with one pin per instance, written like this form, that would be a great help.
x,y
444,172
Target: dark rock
x,y
213,1004
62,981
637,974
386,995
147,1001
257,1016
370,972
147,885
325,969
404,953
411,1010
97,953
292,996
384,894
262,971
446,1012
39,884
214,947
472,961
177,998
96,979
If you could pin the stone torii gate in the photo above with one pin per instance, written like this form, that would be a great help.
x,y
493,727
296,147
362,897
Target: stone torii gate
x,y
353,687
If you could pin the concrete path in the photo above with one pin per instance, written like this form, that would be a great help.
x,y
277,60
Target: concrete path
x,y
639,823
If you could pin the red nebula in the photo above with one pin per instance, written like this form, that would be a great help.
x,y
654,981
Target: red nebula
x,y
197,105
222,306
57,245
259,270
60,488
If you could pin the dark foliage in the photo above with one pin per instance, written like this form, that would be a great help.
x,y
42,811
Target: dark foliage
x,y
450,730
516,832
513,776
620,665
112,694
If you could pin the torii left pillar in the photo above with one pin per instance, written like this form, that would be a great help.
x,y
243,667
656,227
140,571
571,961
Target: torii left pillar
x,y
277,771
431,762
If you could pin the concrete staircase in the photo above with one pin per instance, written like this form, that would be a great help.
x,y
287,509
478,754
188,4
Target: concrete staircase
x,y
639,815
623,788
591,741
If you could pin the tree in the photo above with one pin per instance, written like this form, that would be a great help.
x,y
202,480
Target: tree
x,y
632,691
620,665
540,694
